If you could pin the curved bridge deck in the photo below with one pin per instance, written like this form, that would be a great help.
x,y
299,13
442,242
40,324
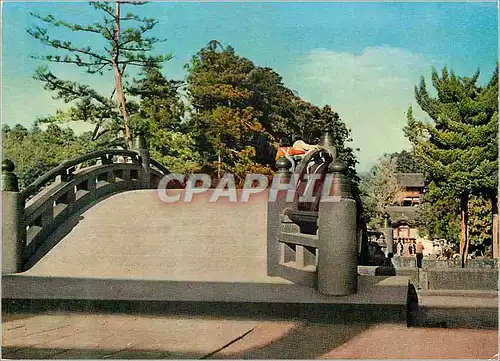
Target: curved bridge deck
x,y
133,246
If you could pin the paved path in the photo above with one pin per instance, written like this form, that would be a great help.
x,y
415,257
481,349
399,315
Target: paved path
x,y
68,336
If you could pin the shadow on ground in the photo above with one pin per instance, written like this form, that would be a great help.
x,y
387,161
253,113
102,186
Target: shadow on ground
x,y
304,341
91,354
315,329
325,313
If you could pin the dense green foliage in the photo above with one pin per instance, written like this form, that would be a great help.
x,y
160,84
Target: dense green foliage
x,y
406,162
124,47
379,189
34,151
458,152
231,118
241,113
438,215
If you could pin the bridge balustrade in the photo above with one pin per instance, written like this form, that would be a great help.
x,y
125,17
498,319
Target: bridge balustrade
x,y
315,243
32,215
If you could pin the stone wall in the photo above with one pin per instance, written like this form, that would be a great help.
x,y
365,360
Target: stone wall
x,y
476,279
462,279
408,262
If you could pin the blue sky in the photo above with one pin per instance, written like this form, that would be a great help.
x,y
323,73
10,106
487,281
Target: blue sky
x,y
361,58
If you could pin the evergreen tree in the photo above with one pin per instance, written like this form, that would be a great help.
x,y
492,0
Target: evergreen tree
x,y
35,152
242,113
459,150
160,117
125,48
438,215
480,226
406,162
379,189
159,97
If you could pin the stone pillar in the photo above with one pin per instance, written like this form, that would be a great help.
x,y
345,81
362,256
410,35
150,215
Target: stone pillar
x,y
389,234
337,241
274,214
328,143
141,147
13,230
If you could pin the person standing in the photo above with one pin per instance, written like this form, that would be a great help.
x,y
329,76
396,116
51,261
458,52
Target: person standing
x,y
419,253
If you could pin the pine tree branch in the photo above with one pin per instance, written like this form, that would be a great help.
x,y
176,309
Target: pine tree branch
x,y
104,7
68,90
41,34
56,59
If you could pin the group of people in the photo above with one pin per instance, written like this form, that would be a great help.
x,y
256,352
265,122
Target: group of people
x,y
414,248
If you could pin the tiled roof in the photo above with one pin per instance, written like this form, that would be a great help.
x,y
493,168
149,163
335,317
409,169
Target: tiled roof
x,y
411,180
400,213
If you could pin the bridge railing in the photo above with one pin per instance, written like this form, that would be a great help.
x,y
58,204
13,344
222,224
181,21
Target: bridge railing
x,y
66,169
316,243
33,215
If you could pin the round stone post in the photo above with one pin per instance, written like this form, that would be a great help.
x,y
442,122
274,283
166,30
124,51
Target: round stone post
x,y
337,237
13,230
328,143
141,147
283,166
275,209
388,233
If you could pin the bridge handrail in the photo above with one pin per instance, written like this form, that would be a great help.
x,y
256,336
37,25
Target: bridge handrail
x,y
159,166
63,167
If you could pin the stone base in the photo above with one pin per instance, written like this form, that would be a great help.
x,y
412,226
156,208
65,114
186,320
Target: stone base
x,y
378,298
375,290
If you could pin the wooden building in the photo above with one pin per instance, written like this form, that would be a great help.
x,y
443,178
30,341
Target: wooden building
x,y
403,213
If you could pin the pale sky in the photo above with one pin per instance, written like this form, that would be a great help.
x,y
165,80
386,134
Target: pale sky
x,y
361,58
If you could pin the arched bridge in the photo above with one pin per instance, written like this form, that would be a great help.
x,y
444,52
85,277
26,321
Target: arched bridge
x,y
79,238
37,211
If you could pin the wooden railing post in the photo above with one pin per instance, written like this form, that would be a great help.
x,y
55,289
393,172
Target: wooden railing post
x,y
337,240
141,147
13,229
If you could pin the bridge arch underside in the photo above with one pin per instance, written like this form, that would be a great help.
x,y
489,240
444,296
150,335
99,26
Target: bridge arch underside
x,y
52,213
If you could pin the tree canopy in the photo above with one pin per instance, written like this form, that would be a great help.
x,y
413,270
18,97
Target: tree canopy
x,y
459,149
379,189
34,152
242,112
124,47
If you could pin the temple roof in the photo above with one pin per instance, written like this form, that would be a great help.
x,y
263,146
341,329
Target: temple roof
x,y
413,180
399,213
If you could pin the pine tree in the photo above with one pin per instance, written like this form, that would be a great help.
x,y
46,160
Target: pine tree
x,y
406,162
125,47
459,150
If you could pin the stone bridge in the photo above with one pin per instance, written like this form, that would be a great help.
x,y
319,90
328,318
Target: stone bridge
x,y
94,228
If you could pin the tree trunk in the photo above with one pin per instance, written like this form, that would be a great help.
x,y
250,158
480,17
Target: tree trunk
x,y
494,228
118,78
219,166
464,215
